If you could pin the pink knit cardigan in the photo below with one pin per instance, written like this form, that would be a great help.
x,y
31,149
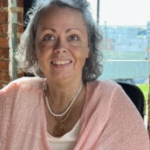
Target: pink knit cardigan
x,y
109,120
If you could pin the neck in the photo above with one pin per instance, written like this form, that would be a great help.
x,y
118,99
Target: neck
x,y
61,94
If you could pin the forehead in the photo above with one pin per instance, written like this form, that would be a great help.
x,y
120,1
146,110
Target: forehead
x,y
54,16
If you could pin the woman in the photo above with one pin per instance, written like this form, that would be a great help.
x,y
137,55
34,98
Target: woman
x,y
65,108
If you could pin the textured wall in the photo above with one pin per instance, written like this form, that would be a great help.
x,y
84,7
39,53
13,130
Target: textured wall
x,y
6,35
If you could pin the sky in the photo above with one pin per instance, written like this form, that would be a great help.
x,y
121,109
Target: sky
x,y
123,12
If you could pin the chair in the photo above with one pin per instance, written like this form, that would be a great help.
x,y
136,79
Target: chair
x,y
136,95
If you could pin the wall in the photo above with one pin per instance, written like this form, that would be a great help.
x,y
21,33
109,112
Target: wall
x,y
7,11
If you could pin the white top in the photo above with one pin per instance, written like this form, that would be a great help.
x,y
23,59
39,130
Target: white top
x,y
67,141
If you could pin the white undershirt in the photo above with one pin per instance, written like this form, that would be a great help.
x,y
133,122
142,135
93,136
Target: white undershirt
x,y
67,141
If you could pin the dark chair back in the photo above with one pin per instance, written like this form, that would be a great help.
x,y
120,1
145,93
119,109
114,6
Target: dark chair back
x,y
136,95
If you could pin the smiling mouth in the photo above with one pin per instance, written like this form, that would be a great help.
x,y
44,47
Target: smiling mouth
x,y
61,62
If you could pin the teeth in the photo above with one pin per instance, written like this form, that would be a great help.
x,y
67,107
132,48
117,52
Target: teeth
x,y
60,62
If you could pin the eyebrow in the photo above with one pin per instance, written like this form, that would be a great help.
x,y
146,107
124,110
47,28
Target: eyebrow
x,y
49,29
68,30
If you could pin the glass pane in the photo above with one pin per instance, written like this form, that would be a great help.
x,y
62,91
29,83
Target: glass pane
x,y
125,26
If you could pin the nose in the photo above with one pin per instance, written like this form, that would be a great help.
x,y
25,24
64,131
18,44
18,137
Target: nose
x,y
61,47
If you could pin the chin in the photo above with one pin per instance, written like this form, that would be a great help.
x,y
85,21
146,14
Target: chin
x,y
61,78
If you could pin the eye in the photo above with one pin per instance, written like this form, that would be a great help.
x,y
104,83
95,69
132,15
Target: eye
x,y
49,37
73,38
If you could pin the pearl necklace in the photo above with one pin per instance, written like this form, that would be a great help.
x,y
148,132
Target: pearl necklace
x,y
67,109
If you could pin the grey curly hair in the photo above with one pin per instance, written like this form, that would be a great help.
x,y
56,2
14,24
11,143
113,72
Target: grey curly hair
x,y
26,49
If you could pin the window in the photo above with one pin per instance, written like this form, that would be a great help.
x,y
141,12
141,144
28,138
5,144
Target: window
x,y
125,26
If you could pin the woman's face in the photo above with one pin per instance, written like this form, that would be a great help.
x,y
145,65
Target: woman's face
x,y
61,43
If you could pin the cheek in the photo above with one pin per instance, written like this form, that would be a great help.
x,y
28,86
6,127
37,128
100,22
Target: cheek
x,y
42,51
82,55
37,50
85,53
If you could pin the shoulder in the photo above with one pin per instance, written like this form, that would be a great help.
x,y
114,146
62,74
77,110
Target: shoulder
x,y
104,83
102,94
107,93
23,83
21,91
117,114
112,96
104,86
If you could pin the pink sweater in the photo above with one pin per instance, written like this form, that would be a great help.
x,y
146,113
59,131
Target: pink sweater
x,y
109,120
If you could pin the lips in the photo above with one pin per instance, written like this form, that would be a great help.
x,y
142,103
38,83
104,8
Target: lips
x,y
61,62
